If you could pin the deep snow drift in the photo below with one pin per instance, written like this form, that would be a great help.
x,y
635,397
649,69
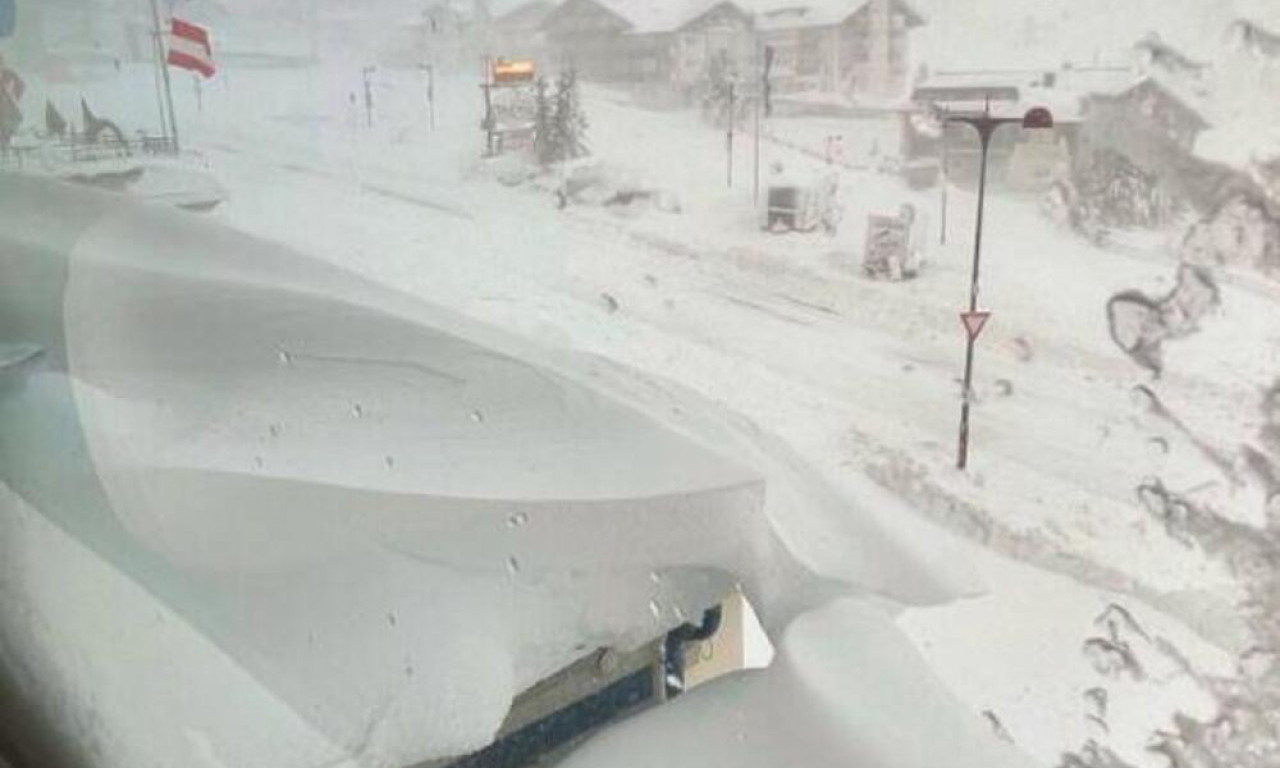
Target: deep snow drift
x,y
386,520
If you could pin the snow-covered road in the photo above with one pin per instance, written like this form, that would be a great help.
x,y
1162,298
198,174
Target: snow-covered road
x,y
857,377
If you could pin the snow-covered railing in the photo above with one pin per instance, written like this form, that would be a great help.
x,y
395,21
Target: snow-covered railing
x,y
73,151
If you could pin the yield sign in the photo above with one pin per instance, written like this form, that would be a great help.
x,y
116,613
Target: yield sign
x,y
974,322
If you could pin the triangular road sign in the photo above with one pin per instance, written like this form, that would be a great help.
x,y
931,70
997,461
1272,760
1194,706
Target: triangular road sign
x,y
974,322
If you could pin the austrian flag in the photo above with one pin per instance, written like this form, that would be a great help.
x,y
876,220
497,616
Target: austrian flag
x,y
189,48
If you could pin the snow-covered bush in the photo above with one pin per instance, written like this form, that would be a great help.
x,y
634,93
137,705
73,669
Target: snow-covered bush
x,y
1093,755
596,183
1113,192
1240,232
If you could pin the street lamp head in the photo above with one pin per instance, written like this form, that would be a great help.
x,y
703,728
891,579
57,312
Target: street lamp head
x,y
1037,118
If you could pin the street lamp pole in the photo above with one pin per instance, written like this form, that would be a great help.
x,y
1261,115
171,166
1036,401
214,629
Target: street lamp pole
x,y
985,125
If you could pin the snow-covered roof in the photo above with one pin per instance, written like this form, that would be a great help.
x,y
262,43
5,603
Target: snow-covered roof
x,y
790,14
526,15
1248,34
1160,54
655,16
652,16
970,91
1012,92
1240,145
1244,111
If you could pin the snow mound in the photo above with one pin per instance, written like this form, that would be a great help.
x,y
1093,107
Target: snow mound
x,y
845,689
303,467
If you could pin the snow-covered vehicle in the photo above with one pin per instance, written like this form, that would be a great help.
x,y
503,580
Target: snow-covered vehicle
x,y
795,204
895,245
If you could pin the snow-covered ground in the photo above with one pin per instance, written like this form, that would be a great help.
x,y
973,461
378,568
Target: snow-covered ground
x,y
851,385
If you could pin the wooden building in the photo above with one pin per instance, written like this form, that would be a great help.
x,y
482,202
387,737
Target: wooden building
x,y
1151,112
518,33
856,48
613,40
717,41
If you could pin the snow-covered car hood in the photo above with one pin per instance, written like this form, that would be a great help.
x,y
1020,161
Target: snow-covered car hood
x,y
391,519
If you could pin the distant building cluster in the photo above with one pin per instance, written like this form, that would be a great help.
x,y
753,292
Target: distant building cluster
x,y
1199,126
855,48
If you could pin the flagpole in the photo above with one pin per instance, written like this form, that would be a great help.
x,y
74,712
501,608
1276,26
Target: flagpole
x,y
158,54
164,69
164,121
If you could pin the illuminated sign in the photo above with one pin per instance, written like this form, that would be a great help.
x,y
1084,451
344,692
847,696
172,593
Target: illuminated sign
x,y
513,71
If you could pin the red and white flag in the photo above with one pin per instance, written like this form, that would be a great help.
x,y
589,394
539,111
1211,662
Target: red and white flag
x,y
189,48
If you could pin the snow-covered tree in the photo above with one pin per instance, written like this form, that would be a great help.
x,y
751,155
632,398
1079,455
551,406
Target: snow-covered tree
x,y
542,145
560,127
1241,232
719,97
1113,192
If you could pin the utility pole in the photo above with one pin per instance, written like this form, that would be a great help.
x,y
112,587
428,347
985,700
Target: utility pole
x,y
974,320
729,135
755,166
367,73
164,71
764,107
486,86
431,94
942,232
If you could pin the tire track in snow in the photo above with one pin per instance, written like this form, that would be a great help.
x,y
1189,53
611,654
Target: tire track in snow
x,y
420,202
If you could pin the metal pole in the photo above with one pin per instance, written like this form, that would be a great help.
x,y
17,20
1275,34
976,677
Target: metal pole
x,y
942,233
730,134
759,108
755,181
985,130
368,96
486,86
431,93
164,70
488,120
159,78
755,185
